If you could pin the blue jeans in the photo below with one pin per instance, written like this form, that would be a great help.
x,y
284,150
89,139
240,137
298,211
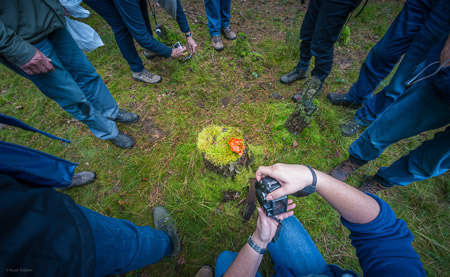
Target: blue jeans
x,y
320,30
435,28
417,110
294,253
129,19
75,84
121,246
387,52
218,13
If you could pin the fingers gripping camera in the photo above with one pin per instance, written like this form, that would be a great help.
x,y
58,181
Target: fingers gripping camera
x,y
271,207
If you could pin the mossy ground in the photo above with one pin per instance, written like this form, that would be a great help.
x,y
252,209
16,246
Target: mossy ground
x,y
165,167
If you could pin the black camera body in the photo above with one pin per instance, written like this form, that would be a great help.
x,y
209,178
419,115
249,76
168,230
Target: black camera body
x,y
271,207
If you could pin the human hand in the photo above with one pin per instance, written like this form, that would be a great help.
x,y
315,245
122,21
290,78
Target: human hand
x,y
191,45
177,52
291,177
39,63
266,226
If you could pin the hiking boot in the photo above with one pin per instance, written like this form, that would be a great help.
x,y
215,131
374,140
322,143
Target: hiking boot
x,y
126,117
217,43
81,179
228,33
371,185
164,222
313,89
146,77
150,55
294,75
344,169
205,271
123,141
350,127
340,99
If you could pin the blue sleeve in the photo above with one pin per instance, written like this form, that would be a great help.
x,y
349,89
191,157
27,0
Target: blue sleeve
x,y
181,18
383,246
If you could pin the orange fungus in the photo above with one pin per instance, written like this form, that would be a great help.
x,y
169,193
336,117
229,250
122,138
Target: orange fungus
x,y
237,145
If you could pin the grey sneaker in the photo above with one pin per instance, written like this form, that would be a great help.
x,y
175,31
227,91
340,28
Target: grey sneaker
x,y
340,99
146,77
150,55
126,117
344,169
164,222
81,179
294,75
217,43
370,184
228,33
123,141
312,89
350,128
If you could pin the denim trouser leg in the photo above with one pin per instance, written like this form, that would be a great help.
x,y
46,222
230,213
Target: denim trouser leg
x,y
294,253
225,7
387,52
320,30
213,12
121,246
417,110
75,85
107,10
430,159
434,30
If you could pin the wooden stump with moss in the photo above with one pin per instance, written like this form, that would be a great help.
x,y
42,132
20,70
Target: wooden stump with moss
x,y
301,117
214,144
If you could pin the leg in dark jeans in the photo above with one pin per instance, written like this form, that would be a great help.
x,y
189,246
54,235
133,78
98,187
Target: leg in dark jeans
x,y
121,246
306,34
108,10
387,52
330,20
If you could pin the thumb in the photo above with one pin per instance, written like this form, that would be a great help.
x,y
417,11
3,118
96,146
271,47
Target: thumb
x,y
277,194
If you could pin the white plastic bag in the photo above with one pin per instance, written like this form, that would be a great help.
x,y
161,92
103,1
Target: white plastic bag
x,y
74,9
85,37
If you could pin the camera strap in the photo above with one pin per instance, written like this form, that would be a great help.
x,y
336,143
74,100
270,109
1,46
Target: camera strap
x,y
278,231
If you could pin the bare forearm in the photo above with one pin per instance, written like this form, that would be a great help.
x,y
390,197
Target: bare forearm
x,y
352,204
246,263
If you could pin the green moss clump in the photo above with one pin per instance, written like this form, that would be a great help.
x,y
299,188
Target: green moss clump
x,y
344,37
213,144
242,48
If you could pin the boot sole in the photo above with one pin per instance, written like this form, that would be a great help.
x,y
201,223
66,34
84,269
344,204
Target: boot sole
x,y
160,80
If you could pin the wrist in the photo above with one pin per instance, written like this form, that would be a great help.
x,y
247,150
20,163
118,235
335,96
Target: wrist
x,y
258,241
189,34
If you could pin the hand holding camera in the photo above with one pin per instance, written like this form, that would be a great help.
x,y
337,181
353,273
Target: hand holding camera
x,y
292,178
178,50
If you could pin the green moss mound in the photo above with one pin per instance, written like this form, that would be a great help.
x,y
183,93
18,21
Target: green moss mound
x,y
213,144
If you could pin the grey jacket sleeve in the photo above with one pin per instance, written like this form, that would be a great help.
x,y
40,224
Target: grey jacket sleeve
x,y
13,48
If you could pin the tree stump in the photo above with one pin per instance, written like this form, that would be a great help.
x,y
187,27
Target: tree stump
x,y
216,151
301,117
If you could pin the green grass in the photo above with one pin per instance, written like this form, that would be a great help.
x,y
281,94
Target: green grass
x,y
165,167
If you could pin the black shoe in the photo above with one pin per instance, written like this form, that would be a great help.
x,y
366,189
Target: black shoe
x,y
371,185
312,89
344,169
164,222
350,128
124,116
296,74
81,179
340,99
123,141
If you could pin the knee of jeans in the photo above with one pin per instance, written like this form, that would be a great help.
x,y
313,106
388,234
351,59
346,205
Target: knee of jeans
x,y
79,110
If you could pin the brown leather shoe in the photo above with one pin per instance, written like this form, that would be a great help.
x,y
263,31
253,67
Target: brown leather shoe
x,y
371,185
217,43
344,169
228,33
205,271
